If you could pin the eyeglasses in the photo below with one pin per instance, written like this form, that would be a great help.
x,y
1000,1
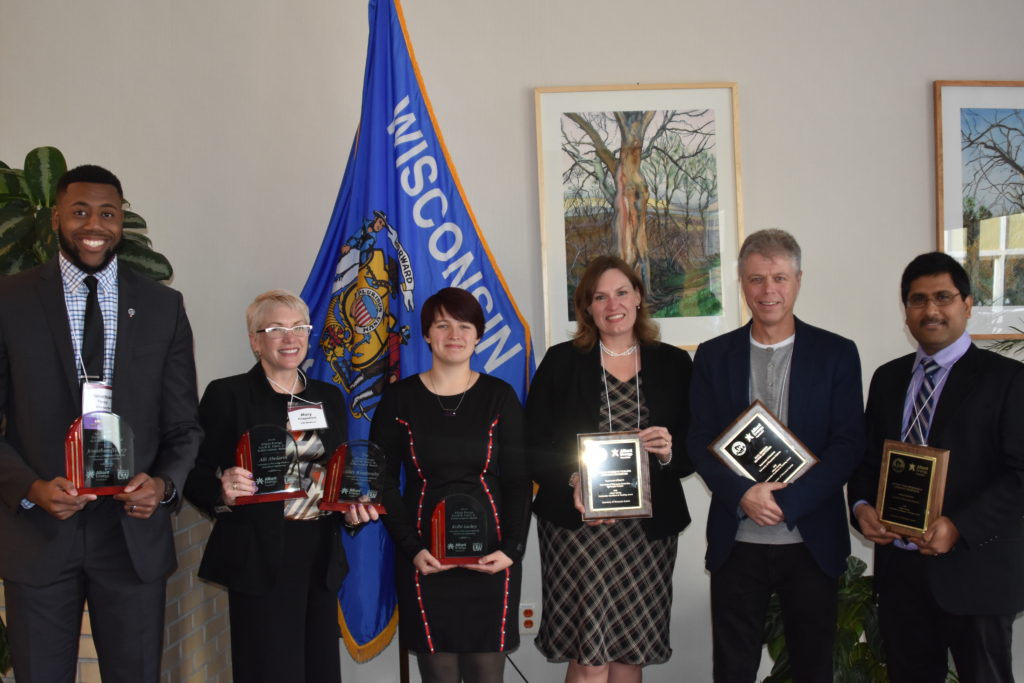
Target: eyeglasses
x,y
940,299
279,332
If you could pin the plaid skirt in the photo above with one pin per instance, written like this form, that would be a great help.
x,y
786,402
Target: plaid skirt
x,y
607,594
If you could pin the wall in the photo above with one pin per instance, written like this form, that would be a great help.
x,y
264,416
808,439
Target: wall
x,y
230,121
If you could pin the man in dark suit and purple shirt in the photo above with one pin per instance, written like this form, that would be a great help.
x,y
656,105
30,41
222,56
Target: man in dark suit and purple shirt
x,y
957,587
764,538
80,333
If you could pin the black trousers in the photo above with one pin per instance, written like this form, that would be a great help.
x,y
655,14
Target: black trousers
x,y
919,635
291,632
126,614
740,590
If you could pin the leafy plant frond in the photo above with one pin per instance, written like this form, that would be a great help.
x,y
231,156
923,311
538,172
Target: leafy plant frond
x,y
27,197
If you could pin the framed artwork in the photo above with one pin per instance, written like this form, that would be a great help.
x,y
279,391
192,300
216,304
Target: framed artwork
x,y
979,180
650,173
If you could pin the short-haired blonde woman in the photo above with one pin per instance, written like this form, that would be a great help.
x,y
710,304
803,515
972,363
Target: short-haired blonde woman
x,y
282,561
607,588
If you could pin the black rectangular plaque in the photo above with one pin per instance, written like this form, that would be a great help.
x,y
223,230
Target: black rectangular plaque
x,y
758,446
614,475
911,486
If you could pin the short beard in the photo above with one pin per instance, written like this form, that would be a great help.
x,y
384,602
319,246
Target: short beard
x,y
71,254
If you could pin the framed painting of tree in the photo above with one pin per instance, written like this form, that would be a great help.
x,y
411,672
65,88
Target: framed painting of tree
x,y
979,180
650,173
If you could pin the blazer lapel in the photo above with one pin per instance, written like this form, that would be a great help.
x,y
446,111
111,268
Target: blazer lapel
x,y
127,308
591,386
896,397
51,297
801,377
737,365
958,387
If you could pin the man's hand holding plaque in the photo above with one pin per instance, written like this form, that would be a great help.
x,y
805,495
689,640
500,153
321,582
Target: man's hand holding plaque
x,y
911,486
759,447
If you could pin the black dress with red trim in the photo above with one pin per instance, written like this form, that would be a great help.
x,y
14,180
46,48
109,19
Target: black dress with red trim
x,y
471,444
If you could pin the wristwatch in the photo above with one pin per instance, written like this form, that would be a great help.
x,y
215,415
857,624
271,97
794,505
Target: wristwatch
x,y
170,492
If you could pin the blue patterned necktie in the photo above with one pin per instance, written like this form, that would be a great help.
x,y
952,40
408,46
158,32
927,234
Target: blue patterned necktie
x,y
924,403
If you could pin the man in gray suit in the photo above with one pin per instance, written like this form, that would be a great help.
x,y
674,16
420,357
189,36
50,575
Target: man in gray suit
x,y
78,333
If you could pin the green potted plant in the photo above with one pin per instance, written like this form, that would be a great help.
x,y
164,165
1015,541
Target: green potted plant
x,y
858,656
27,197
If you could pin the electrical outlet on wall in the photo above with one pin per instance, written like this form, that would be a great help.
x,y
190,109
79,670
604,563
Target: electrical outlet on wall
x,y
529,617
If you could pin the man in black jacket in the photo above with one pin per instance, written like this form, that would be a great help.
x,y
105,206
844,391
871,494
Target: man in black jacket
x,y
78,334
957,586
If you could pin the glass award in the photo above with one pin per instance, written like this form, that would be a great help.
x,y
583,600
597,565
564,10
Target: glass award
x,y
270,453
758,446
459,530
99,453
911,486
614,475
354,475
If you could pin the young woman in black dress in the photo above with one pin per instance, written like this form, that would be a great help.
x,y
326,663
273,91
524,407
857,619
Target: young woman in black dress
x,y
454,431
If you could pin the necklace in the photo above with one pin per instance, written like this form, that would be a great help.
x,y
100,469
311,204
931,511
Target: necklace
x,y
291,391
449,412
617,354
636,378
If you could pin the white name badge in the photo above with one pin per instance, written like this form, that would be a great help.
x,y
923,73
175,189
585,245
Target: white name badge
x,y
97,398
311,416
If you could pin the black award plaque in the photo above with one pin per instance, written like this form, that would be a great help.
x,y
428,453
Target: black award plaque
x,y
99,453
759,447
459,530
354,475
270,453
614,475
911,486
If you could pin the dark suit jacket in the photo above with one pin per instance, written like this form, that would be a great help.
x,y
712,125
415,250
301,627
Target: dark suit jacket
x,y
565,400
154,390
978,418
246,548
825,413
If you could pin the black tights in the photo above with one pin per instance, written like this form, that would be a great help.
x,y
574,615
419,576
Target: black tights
x,y
465,667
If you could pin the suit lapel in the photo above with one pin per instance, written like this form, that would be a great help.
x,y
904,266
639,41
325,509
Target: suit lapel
x,y
737,363
127,307
896,396
958,387
50,289
591,385
801,377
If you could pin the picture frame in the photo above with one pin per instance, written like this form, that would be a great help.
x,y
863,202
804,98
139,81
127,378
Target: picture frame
x,y
979,136
680,144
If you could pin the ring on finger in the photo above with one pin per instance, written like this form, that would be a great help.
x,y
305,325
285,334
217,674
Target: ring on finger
x,y
132,508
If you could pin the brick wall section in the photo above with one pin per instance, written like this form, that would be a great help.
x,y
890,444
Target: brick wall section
x,y
197,642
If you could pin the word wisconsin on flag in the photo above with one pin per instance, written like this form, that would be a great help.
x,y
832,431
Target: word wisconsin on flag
x,y
401,230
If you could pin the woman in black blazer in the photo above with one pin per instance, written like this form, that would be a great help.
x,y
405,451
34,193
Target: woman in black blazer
x,y
607,586
281,561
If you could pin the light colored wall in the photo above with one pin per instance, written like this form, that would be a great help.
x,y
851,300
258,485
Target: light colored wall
x,y
229,122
